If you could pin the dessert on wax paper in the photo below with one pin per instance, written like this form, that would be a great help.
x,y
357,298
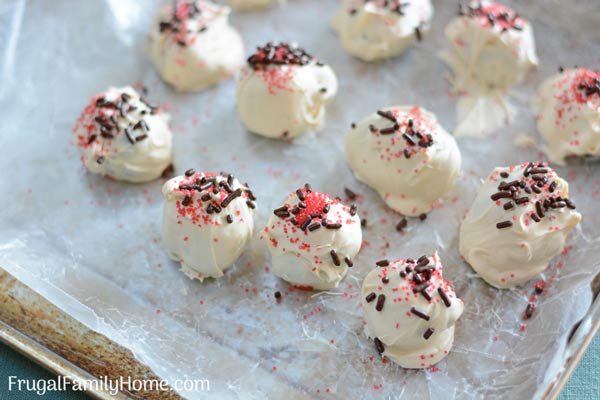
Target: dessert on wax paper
x,y
568,114
411,311
313,239
406,156
375,30
282,91
518,222
248,5
192,45
208,219
492,48
124,137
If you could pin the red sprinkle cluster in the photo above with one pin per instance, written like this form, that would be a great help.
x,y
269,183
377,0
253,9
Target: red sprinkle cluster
x,y
177,24
493,14
310,213
536,184
279,54
209,193
586,84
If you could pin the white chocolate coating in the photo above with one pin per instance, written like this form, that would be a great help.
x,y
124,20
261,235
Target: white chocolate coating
x,y
204,242
372,31
511,256
490,56
303,257
248,5
284,101
114,152
402,332
198,49
567,118
410,186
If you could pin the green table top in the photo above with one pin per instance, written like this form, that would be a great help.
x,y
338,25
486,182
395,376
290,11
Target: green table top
x,y
584,384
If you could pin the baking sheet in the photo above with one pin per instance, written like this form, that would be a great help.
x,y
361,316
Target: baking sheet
x,y
92,246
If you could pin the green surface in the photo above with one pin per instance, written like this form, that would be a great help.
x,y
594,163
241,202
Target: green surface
x,y
584,384
13,363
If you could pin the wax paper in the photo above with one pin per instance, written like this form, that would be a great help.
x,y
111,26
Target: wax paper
x,y
92,246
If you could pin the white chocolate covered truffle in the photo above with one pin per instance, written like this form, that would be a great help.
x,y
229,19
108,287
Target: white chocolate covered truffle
x,y
193,46
518,222
248,5
492,46
282,91
208,220
312,239
411,311
376,30
568,114
406,156
123,137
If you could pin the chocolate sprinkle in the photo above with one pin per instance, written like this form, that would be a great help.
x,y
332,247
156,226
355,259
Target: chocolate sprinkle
x,y
420,287
504,224
418,34
423,260
428,333
334,257
380,302
370,297
379,345
388,131
539,209
444,297
382,263
529,310
522,200
350,194
230,197
313,226
387,114
348,262
420,314
353,210
501,195
402,224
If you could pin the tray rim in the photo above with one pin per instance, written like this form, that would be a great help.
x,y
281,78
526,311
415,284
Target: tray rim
x,y
49,360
